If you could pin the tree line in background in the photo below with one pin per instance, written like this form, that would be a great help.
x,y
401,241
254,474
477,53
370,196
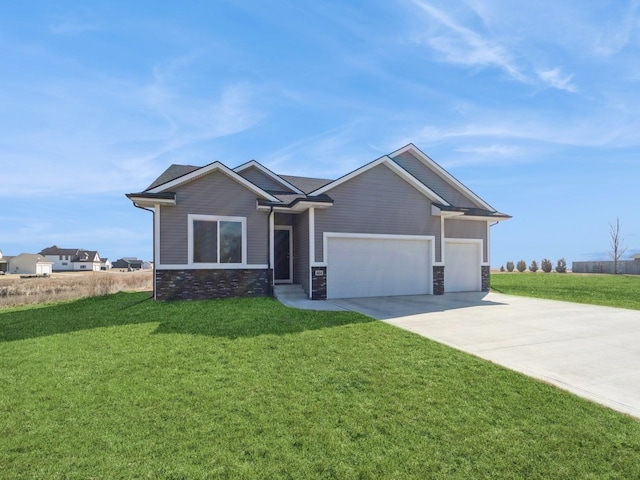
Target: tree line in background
x,y
546,266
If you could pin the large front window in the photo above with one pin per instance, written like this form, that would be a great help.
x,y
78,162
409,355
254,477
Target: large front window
x,y
217,240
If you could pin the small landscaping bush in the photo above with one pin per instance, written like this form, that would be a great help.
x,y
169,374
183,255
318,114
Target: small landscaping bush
x,y
533,267
522,266
546,265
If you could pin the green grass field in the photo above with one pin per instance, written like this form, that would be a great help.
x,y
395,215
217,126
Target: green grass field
x,y
609,290
125,387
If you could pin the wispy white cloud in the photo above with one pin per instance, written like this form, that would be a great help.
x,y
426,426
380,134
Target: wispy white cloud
x,y
554,78
328,154
496,39
110,133
493,150
462,45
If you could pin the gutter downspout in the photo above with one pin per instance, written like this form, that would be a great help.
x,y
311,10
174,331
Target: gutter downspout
x,y
272,281
153,212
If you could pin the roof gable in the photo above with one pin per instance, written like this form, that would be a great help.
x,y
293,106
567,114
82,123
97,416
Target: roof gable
x,y
394,167
265,172
441,174
207,169
174,171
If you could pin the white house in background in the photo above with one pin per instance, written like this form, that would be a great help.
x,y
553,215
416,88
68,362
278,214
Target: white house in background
x,y
4,264
105,264
77,259
30,264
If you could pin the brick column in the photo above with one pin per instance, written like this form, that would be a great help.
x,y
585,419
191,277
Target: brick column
x,y
486,278
318,283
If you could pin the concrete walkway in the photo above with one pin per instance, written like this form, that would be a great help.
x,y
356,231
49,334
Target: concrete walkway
x,y
591,351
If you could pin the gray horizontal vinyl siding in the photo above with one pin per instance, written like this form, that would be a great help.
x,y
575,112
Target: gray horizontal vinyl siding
x,y
283,219
213,194
468,229
377,201
301,250
432,180
263,181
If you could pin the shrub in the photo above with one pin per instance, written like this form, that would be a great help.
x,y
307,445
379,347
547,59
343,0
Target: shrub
x,y
546,265
510,266
502,268
561,266
522,266
534,266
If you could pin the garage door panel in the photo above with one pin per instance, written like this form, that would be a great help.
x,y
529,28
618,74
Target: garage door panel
x,y
462,267
370,267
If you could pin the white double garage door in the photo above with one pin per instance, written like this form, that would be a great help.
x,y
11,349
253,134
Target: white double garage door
x,y
387,265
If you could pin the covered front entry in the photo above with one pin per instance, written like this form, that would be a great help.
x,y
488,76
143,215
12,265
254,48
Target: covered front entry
x,y
462,271
283,254
362,265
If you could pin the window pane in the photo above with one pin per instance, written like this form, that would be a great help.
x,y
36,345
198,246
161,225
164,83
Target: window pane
x,y
205,242
230,242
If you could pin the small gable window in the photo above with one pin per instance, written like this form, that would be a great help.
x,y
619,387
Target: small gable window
x,y
217,240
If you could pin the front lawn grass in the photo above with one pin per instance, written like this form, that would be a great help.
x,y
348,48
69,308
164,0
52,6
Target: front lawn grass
x,y
609,290
124,387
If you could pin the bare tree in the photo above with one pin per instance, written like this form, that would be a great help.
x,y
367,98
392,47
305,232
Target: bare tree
x,y
617,243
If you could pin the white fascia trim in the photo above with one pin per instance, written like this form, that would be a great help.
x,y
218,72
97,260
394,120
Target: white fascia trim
x,y
212,167
417,184
438,212
212,266
376,236
267,172
393,166
299,207
454,182
152,202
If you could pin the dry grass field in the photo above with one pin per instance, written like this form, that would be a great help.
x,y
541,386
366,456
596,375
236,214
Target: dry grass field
x,y
16,291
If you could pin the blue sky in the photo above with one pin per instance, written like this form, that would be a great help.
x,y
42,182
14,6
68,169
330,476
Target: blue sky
x,y
533,105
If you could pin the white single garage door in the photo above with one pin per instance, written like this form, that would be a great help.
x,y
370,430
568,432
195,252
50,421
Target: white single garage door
x,y
374,266
43,269
462,266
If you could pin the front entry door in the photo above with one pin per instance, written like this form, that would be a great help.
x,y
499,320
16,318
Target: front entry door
x,y
282,255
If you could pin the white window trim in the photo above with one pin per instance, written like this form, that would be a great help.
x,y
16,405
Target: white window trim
x,y
215,218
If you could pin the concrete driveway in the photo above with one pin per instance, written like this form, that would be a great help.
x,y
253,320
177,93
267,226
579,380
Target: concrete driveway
x,y
591,351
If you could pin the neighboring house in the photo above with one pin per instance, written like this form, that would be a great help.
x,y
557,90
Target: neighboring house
x,y
73,259
30,264
128,263
399,225
4,264
105,264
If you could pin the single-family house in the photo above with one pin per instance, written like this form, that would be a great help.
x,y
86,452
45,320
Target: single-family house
x,y
399,225
128,263
105,264
30,264
74,259
4,264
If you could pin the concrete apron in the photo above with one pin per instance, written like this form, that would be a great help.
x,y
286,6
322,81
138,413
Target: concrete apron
x,y
591,351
